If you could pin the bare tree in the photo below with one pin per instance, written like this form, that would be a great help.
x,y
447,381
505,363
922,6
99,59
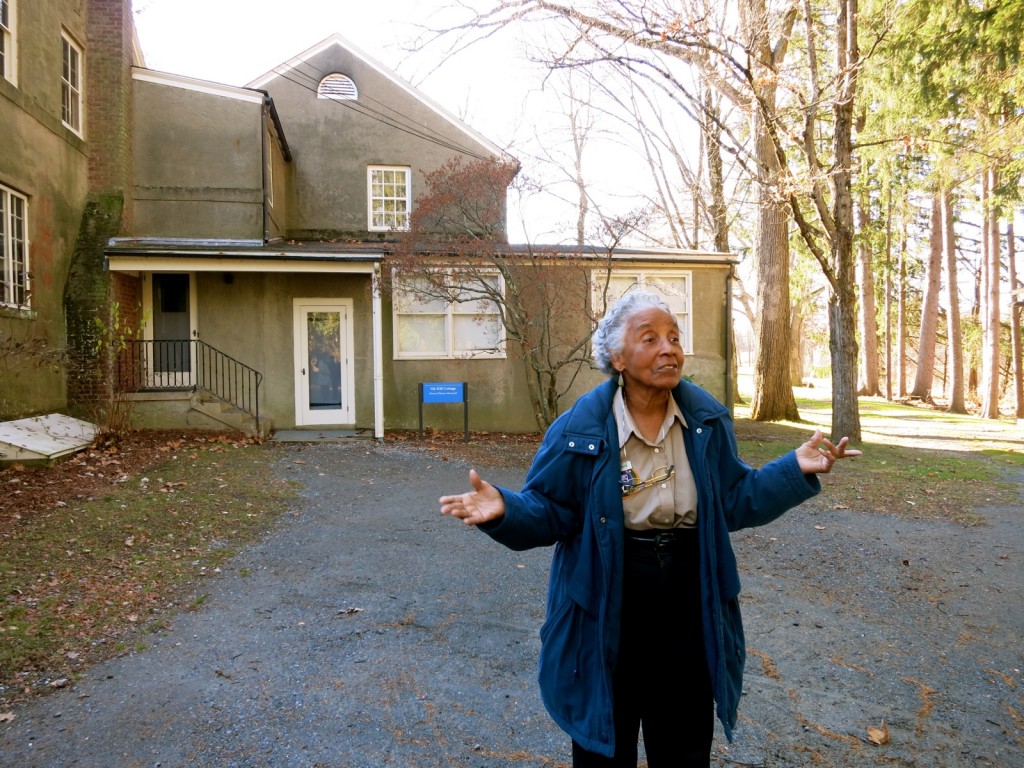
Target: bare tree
x,y
456,252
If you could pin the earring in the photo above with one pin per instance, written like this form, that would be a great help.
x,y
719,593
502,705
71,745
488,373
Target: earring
x,y
620,379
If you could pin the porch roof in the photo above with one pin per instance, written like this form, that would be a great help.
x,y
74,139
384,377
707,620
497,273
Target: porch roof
x,y
146,255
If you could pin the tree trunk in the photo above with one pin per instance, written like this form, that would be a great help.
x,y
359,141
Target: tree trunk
x,y
796,349
901,320
869,384
955,341
843,297
1015,306
925,376
990,351
773,396
888,295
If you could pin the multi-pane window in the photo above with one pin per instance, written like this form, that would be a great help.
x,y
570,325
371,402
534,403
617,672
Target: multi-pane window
x,y
71,85
14,278
390,195
8,69
673,286
448,316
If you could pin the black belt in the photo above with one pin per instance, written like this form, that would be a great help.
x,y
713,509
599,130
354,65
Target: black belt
x,y
662,539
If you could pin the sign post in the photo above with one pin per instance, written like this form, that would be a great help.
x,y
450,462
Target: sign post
x,y
446,392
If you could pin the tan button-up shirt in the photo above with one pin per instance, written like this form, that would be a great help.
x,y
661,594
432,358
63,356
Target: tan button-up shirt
x,y
670,502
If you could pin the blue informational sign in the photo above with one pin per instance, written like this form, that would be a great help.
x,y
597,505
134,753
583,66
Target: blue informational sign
x,y
444,392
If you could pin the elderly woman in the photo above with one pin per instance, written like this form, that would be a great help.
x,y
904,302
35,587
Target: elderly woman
x,y
638,486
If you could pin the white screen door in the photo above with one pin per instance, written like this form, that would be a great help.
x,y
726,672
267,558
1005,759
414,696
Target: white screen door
x,y
324,380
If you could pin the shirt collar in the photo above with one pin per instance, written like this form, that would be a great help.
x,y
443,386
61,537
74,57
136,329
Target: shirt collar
x,y
624,421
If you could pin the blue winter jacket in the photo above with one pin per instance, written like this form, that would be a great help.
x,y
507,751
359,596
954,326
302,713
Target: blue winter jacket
x,y
571,498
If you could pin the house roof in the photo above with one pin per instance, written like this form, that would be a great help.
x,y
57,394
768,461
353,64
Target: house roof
x,y
338,40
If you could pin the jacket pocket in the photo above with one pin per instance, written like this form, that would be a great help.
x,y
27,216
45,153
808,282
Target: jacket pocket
x,y
570,670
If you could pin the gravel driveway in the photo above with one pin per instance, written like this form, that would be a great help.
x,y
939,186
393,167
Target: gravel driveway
x,y
369,631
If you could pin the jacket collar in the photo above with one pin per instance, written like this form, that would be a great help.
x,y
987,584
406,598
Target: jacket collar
x,y
595,407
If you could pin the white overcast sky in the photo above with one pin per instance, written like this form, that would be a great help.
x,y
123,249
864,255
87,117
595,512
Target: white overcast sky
x,y
491,85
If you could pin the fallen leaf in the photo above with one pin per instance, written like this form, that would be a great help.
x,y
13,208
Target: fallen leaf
x,y
6,717
880,735
59,683
130,541
348,611
819,527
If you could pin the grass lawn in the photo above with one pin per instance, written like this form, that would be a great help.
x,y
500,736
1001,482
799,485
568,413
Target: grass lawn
x,y
918,460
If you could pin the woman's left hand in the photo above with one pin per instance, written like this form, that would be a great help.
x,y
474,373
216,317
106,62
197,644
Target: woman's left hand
x,y
817,455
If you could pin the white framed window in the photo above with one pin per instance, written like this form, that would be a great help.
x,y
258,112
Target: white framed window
x,y
389,191
338,87
672,285
71,85
8,42
14,275
448,316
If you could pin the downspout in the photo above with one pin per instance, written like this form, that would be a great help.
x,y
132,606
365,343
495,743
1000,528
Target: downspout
x,y
729,394
263,172
378,356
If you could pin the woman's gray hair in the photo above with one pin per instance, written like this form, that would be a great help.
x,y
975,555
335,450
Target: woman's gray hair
x,y
609,337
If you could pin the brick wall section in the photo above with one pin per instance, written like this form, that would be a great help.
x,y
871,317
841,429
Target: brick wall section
x,y
90,290
109,59
87,299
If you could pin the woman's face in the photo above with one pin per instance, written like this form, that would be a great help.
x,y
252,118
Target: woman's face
x,y
652,352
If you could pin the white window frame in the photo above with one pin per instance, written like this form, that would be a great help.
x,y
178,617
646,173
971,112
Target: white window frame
x,y
380,189
15,282
681,300
450,313
72,71
9,42
338,87
270,177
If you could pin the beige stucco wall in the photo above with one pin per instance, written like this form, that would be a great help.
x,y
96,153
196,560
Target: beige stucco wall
x,y
198,163
333,143
498,395
48,164
251,318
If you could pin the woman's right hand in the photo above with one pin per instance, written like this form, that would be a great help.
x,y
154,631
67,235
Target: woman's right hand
x,y
481,505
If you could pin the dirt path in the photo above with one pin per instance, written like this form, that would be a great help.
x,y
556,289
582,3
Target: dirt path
x,y
368,631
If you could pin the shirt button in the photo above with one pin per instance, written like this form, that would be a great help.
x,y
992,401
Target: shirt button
x,y
657,450
590,447
699,430
602,520
572,444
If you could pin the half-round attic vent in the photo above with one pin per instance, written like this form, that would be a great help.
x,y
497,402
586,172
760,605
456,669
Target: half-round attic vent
x,y
337,86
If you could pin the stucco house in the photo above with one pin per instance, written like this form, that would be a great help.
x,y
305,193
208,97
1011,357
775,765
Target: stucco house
x,y
245,231
262,218
44,178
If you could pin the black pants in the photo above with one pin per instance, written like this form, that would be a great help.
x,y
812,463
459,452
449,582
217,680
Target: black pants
x,y
661,679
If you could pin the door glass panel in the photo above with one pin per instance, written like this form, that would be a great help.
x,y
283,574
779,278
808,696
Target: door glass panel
x,y
323,332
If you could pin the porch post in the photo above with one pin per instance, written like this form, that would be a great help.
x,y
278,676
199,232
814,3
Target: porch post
x,y
378,357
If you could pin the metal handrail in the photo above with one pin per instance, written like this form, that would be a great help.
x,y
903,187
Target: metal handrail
x,y
190,365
